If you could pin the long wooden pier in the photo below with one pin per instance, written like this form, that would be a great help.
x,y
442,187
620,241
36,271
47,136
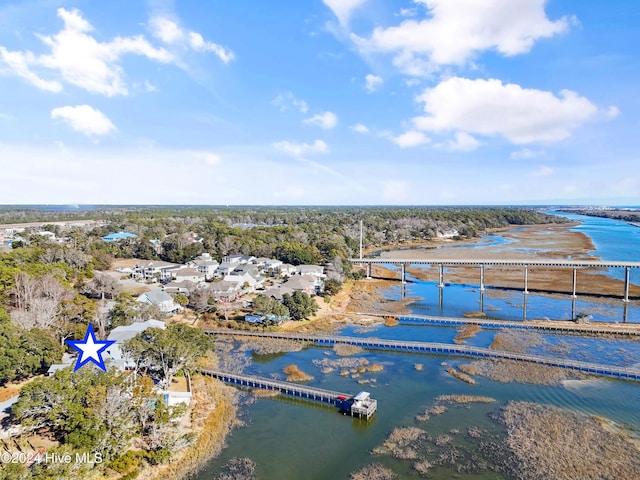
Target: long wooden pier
x,y
627,330
624,373
361,405
301,391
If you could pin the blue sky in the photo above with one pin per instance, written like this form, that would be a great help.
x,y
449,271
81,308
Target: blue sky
x,y
320,102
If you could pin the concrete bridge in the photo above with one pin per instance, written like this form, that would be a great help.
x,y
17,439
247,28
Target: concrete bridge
x,y
624,373
481,264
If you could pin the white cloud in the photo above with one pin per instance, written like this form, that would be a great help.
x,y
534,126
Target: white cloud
x,y
360,128
372,82
80,59
489,107
396,191
84,119
287,100
412,138
170,33
300,149
525,154
543,171
343,9
18,63
463,142
457,30
325,120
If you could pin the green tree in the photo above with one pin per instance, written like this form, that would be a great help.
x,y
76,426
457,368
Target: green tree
x,y
169,350
300,305
332,286
269,306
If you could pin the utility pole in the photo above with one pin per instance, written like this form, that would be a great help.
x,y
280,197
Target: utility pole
x,y
360,239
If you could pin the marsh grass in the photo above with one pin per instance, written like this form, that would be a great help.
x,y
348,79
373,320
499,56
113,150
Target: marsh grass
x,y
294,374
461,376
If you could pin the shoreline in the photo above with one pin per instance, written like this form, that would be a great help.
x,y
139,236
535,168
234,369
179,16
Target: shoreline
x,y
546,241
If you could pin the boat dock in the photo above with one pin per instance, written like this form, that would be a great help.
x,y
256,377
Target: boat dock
x,y
623,373
360,405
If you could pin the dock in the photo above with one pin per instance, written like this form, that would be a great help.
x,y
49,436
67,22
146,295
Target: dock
x,y
360,405
623,373
569,328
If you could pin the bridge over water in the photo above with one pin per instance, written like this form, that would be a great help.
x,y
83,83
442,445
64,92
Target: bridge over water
x,y
624,373
595,328
481,264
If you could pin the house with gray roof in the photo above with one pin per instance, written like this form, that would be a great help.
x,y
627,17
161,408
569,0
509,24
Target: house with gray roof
x,y
161,299
225,290
114,354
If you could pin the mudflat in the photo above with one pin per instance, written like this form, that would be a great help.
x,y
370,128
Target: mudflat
x,y
541,242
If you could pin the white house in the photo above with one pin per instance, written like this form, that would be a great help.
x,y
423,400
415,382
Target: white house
x,y
205,264
249,277
272,265
287,269
161,299
188,275
315,270
114,353
155,271
226,268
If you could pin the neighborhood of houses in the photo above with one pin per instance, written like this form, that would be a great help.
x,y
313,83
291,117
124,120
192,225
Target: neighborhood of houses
x,y
226,281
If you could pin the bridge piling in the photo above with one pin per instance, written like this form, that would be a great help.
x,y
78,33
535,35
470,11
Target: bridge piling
x,y
626,285
403,272
441,283
482,277
526,279
575,276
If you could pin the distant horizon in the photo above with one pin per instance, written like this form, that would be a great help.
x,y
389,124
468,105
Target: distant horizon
x,y
76,207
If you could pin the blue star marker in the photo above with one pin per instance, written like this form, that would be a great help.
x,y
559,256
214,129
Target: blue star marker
x,y
90,349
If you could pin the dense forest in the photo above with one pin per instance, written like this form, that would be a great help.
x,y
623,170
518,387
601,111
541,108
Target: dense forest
x,y
624,215
292,234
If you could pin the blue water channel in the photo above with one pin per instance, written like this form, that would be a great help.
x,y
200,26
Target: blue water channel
x,y
290,439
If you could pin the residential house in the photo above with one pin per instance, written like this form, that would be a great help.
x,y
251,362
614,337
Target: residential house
x,y
185,287
287,269
250,277
188,275
303,283
277,292
272,266
114,354
238,258
315,270
161,299
205,264
155,271
225,268
226,291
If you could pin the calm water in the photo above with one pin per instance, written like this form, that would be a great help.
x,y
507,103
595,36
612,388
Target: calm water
x,y
290,439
